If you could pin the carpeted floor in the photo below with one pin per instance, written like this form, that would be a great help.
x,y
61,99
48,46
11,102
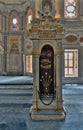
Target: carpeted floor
x,y
18,118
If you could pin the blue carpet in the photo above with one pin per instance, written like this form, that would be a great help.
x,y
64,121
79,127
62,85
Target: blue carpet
x,y
18,118
16,80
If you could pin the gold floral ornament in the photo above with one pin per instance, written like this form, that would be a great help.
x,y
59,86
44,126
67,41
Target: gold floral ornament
x,y
29,46
30,34
59,27
71,38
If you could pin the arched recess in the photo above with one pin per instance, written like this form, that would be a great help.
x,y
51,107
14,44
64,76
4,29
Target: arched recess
x,y
14,59
1,60
14,21
29,16
46,71
71,38
52,44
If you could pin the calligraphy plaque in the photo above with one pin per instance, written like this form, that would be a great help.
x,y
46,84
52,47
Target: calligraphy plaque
x,y
47,34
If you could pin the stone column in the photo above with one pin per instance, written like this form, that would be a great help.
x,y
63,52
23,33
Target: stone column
x,y
59,80
23,64
36,79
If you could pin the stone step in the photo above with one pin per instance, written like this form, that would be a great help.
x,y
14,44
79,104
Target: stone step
x,y
16,80
16,92
23,87
15,100
16,95
23,104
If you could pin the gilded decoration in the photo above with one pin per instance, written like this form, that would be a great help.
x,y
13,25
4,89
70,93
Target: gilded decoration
x,y
46,26
47,34
13,40
14,45
59,27
29,46
45,64
71,38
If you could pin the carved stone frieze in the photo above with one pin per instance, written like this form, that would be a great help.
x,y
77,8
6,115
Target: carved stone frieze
x,y
47,34
46,28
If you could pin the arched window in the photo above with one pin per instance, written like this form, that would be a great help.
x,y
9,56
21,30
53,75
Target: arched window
x,y
14,21
29,18
70,8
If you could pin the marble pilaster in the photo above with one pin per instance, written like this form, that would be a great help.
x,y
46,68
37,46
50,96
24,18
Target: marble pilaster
x,y
59,80
36,79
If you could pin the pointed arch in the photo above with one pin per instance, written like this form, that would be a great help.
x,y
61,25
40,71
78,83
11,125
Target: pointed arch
x,y
14,21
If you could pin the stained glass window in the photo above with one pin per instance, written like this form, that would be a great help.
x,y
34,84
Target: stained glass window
x,y
70,8
14,21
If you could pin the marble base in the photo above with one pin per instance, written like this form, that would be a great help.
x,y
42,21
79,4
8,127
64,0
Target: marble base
x,y
47,114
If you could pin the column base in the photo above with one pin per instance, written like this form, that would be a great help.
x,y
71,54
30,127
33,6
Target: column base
x,y
47,114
